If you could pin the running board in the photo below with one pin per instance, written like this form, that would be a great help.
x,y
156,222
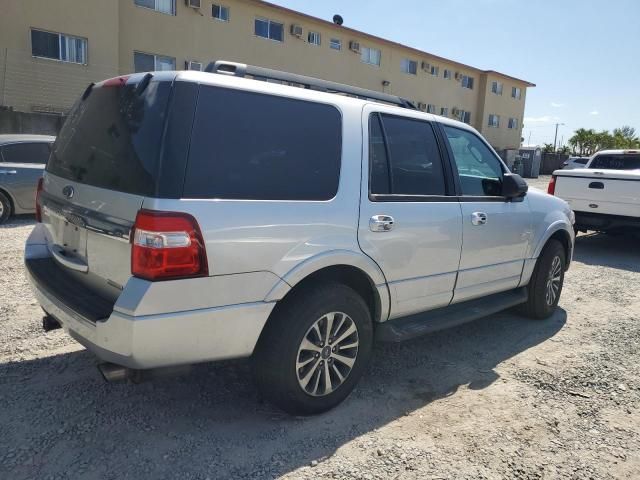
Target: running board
x,y
405,328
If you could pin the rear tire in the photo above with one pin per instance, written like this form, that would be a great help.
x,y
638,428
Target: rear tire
x,y
314,349
5,208
546,282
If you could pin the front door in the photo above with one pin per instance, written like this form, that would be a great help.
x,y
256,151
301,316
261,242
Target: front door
x,y
410,221
495,231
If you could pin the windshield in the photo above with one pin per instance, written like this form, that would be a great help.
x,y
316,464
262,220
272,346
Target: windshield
x,y
617,161
112,138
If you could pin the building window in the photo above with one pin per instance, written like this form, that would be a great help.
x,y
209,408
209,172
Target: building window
x,y
193,65
58,46
467,82
370,56
444,111
516,93
336,44
431,108
314,38
148,62
513,123
409,66
463,116
435,70
494,120
496,87
163,6
447,73
220,13
269,29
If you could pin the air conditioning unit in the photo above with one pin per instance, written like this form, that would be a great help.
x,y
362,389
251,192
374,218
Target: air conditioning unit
x,y
422,106
193,3
425,66
296,30
354,46
193,65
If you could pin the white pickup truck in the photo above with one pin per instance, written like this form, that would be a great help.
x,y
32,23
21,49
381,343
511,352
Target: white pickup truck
x,y
605,195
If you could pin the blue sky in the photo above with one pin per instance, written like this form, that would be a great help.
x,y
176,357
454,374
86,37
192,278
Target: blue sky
x,y
583,55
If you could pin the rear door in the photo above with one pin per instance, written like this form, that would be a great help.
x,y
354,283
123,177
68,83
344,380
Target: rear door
x,y
105,161
21,165
495,231
410,223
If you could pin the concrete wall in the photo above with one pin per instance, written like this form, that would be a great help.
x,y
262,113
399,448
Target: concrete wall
x,y
117,28
23,122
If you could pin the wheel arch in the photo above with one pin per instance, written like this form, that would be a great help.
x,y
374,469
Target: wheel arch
x,y
558,231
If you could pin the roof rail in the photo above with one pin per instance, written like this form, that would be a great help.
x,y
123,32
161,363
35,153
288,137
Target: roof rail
x,y
260,73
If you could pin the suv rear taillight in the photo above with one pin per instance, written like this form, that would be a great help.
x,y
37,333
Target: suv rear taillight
x,y
38,206
551,189
167,245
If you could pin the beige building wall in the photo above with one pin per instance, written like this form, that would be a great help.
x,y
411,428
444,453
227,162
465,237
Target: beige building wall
x,y
116,28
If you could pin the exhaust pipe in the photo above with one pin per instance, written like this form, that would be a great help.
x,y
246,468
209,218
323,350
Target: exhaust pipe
x,y
115,373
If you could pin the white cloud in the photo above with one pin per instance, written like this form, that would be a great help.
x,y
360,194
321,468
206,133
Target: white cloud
x,y
557,105
595,112
543,119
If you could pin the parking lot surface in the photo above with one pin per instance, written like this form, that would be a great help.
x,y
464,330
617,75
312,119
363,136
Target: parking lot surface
x,y
503,397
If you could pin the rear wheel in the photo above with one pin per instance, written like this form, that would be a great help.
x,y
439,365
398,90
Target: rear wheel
x,y
5,208
545,286
314,349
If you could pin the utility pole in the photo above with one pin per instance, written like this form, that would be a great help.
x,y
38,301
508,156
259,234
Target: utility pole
x,y
555,139
529,142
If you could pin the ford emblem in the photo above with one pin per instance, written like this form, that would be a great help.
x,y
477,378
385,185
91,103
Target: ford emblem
x,y
68,191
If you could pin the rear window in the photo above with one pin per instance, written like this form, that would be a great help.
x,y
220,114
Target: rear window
x,y
112,139
617,162
25,153
253,146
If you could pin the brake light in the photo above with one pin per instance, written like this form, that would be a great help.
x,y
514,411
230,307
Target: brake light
x,y
167,245
38,206
114,82
551,189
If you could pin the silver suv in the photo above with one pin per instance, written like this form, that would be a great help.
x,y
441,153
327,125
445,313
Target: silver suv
x,y
197,216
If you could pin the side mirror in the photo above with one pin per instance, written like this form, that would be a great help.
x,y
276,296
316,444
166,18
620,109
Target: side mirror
x,y
513,186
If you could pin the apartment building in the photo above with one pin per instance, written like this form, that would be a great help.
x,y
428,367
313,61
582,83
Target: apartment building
x,y
50,51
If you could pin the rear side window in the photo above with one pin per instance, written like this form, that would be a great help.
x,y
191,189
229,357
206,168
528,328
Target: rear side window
x,y
616,162
253,146
26,153
112,139
404,157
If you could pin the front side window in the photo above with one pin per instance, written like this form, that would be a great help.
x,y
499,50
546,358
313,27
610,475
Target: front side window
x,y
370,56
314,38
264,148
220,13
479,170
25,153
58,46
409,66
148,62
335,44
494,120
163,6
404,157
467,82
269,29
496,87
516,93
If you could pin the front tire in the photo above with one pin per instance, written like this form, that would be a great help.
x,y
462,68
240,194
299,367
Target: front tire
x,y
5,208
314,349
546,282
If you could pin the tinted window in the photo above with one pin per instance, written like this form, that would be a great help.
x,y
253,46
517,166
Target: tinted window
x,y
112,139
26,153
479,170
414,166
252,146
616,162
45,44
582,161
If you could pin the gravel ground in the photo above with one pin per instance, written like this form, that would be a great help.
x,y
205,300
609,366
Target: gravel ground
x,y
503,397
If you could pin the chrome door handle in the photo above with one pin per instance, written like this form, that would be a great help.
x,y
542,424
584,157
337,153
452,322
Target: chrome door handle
x,y
8,172
381,223
479,218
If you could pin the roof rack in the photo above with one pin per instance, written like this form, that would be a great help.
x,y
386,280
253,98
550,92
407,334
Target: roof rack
x,y
259,73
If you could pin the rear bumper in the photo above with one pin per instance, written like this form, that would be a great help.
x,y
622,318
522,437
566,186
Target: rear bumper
x,y
154,340
603,222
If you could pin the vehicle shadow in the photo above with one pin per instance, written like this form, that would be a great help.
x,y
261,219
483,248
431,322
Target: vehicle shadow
x,y
211,421
616,251
19,221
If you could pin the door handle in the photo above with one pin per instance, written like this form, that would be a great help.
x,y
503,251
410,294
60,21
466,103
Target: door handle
x,y
381,223
8,172
479,218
